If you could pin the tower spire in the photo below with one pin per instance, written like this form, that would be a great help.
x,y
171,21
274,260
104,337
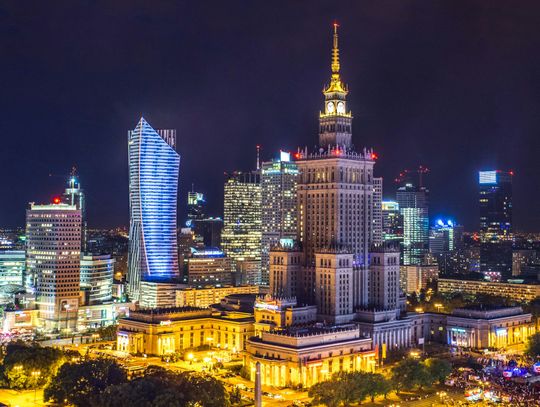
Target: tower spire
x,y
335,51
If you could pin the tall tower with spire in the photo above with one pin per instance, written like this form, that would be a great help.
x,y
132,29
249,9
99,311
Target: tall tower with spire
x,y
335,122
335,206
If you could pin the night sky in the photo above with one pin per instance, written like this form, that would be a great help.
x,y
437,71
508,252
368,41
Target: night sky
x,y
453,85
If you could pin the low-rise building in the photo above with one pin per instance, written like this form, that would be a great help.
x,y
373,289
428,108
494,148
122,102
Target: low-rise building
x,y
167,330
308,355
518,292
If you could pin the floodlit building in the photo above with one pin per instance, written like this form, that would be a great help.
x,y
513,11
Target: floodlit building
x,y
153,188
97,278
12,267
415,278
336,192
308,355
204,297
53,233
279,181
167,330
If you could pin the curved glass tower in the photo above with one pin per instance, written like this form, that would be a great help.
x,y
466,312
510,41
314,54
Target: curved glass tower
x,y
153,189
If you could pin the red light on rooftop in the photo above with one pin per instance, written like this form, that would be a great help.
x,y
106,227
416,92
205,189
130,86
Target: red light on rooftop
x,y
56,200
374,156
297,155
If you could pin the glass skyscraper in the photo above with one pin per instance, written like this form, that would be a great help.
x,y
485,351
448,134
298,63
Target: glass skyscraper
x,y
495,200
153,189
413,206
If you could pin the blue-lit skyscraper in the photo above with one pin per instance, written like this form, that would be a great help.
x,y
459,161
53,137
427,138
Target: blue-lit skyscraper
x,y
153,190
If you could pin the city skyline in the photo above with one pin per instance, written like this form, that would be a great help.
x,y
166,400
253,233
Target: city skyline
x,y
404,110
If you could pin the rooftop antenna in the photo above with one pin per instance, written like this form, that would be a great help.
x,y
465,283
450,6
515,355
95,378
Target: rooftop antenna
x,y
258,157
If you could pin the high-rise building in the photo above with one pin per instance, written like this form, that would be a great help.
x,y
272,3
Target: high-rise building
x,y
495,201
279,181
153,187
336,191
414,208
74,195
53,238
195,208
241,236
392,222
97,278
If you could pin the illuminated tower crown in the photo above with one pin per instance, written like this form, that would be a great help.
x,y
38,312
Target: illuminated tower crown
x,y
335,123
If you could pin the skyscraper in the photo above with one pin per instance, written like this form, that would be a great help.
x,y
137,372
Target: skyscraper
x,y
74,195
414,207
241,237
53,238
336,191
153,188
392,222
495,188
196,203
279,181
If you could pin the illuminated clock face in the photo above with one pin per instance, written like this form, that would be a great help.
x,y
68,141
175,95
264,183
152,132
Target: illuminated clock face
x,y
341,107
330,107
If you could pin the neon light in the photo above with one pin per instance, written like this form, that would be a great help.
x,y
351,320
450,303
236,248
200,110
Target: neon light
x,y
487,177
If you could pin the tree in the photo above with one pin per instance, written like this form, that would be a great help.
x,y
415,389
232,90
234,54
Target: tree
x,y
30,366
410,373
163,388
377,385
81,383
326,393
438,369
533,346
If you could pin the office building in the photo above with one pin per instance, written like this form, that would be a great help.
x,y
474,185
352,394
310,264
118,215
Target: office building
x,y
392,222
97,278
12,271
336,191
241,236
74,195
53,238
207,232
195,205
12,267
279,180
210,267
445,237
153,188
413,207
495,201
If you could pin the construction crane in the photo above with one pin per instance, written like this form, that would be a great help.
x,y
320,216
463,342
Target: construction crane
x,y
407,173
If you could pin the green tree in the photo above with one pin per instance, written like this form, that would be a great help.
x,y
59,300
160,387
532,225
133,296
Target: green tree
x,y
532,348
438,369
81,383
377,385
30,366
163,388
326,393
410,373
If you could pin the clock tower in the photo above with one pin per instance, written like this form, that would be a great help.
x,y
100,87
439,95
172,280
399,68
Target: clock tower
x,y
335,121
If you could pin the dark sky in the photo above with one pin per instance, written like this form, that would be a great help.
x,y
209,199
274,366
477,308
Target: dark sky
x,y
453,85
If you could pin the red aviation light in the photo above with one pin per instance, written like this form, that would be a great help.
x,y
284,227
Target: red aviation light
x,y
374,156
56,200
297,155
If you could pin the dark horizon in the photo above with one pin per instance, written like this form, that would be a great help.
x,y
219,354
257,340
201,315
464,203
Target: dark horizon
x,y
454,86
